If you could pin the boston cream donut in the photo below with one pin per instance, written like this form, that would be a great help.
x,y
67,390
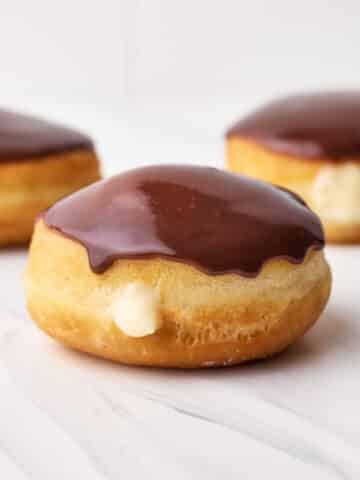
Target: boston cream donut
x,y
311,145
178,266
39,163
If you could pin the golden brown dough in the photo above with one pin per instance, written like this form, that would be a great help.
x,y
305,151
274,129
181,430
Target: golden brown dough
x,y
206,320
339,183
28,187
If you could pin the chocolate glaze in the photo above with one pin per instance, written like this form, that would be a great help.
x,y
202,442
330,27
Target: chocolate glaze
x,y
25,138
217,221
312,126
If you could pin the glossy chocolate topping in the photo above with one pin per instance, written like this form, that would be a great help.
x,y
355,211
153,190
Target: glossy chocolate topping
x,y
311,126
24,138
217,221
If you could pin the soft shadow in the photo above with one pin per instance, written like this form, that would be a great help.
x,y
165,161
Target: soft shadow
x,y
14,250
333,334
92,361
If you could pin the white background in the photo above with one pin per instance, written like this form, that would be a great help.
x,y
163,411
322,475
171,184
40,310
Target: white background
x,y
159,81
152,80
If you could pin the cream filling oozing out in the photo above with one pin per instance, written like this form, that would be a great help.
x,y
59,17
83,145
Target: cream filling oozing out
x,y
135,310
335,193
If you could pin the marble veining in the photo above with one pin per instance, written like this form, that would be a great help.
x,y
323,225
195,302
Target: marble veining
x,y
65,415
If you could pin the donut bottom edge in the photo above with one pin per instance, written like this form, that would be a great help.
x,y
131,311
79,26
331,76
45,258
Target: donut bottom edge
x,y
297,319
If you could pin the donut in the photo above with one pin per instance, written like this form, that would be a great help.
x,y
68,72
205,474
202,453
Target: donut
x,y
310,144
40,163
178,266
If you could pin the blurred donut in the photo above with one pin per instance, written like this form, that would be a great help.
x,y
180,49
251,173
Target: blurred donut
x,y
309,144
40,163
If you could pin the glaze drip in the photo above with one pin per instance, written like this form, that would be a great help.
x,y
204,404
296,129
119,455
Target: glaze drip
x,y
217,221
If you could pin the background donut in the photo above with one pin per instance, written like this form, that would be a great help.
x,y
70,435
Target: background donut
x,y
39,164
311,145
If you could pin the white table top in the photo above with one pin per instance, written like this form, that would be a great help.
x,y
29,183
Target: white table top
x,y
64,415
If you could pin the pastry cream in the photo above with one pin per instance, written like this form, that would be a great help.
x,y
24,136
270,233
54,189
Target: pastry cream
x,y
136,310
336,193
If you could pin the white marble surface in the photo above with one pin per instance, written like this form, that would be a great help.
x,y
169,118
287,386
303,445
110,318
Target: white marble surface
x,y
64,415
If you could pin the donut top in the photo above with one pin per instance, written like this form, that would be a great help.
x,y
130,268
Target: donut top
x,y
23,137
217,221
314,126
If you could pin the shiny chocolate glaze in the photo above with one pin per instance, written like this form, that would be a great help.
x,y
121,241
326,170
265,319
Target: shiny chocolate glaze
x,y
218,221
25,138
317,125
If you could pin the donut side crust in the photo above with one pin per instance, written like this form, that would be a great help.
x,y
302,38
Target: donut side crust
x,y
298,174
30,187
207,320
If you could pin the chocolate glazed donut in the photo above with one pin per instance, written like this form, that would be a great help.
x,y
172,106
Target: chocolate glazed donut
x,y
178,266
40,163
310,144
